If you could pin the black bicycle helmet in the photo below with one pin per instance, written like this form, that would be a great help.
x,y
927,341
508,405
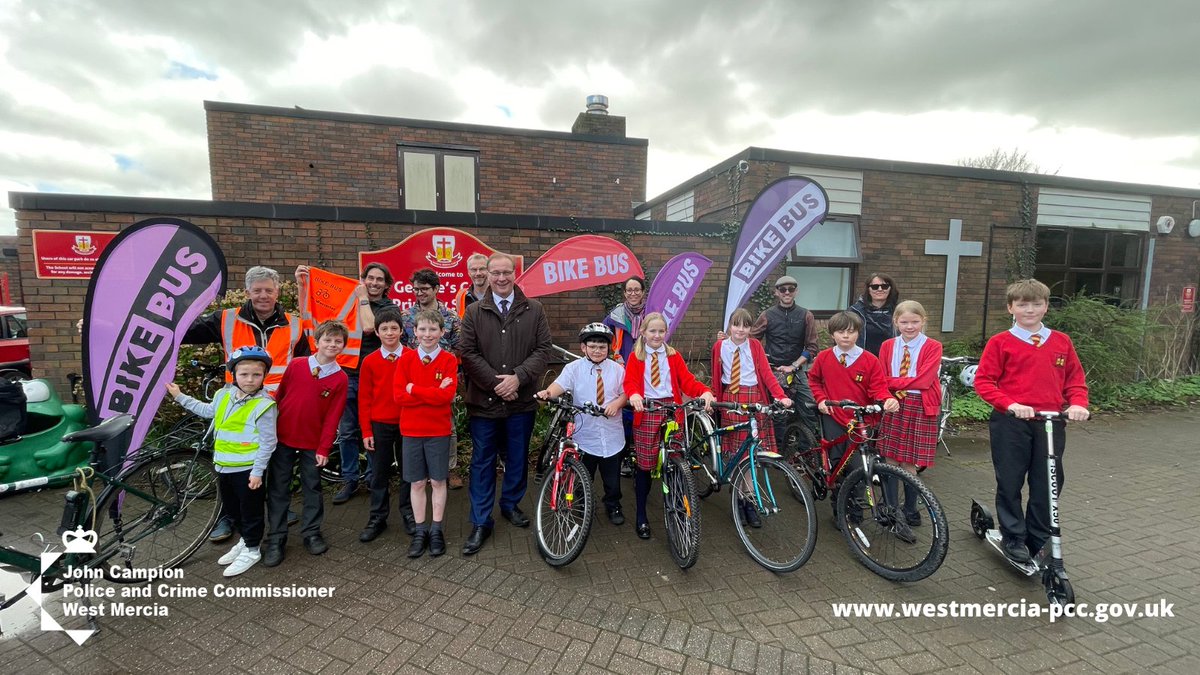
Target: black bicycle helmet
x,y
596,331
248,353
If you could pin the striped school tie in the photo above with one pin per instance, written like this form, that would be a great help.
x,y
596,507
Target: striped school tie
x,y
655,373
842,358
599,387
1036,340
426,359
316,372
735,371
391,357
905,363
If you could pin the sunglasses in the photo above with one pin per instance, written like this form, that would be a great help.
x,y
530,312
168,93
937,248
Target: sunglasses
x,y
786,289
879,287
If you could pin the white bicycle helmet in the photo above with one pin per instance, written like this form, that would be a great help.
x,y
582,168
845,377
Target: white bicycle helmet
x,y
596,331
967,376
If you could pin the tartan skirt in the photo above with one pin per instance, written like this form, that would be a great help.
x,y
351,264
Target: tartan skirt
x,y
646,438
909,436
766,428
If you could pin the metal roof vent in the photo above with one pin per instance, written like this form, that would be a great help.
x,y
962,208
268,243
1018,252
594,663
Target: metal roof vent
x,y
597,104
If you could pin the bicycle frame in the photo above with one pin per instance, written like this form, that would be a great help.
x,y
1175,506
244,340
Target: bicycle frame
x,y
859,443
566,450
750,447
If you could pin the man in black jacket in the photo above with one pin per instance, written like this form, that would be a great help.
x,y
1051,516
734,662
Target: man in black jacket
x,y
789,336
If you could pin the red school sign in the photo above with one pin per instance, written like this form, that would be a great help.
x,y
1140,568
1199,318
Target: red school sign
x,y
442,249
68,254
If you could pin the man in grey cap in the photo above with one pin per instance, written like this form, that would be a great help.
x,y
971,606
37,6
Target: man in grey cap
x,y
789,336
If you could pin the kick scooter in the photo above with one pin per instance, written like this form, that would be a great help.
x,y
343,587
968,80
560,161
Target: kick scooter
x,y
1049,560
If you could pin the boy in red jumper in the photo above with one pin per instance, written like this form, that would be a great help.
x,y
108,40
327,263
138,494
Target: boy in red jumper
x,y
379,415
1026,369
425,383
310,398
846,372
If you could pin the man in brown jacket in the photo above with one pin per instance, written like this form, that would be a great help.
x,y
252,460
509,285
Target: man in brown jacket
x,y
505,346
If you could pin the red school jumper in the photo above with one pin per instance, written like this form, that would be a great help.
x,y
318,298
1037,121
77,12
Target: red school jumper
x,y
309,409
376,400
1048,377
926,379
425,413
863,382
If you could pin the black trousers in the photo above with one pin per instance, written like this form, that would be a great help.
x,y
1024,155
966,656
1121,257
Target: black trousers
x,y
1019,451
387,450
242,505
279,493
610,475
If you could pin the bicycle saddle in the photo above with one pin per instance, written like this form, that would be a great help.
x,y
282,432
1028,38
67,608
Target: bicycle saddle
x,y
105,431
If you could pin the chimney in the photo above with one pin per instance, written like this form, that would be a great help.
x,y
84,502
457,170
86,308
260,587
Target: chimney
x,y
595,121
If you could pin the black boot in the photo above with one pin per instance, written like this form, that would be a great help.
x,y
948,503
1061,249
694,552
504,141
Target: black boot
x,y
641,490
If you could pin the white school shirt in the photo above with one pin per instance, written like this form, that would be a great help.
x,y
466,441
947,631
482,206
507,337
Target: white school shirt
x,y
664,389
1026,336
914,351
432,355
598,436
385,353
325,370
749,377
851,356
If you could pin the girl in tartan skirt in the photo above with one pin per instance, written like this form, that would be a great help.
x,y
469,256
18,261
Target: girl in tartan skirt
x,y
742,356
654,372
908,438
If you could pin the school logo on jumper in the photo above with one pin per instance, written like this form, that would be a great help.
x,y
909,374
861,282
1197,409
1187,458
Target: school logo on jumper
x,y
83,245
443,255
858,377
1060,360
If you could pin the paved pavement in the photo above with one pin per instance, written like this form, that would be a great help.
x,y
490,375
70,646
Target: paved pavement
x,y
1129,530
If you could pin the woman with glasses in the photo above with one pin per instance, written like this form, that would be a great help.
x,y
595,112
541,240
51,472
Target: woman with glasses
x,y
875,308
625,319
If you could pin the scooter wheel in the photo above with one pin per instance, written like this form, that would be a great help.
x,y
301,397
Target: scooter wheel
x,y
981,520
1058,590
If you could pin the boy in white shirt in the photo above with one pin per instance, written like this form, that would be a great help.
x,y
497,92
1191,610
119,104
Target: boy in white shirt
x,y
597,379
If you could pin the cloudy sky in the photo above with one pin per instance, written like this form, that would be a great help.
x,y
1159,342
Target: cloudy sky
x,y
105,96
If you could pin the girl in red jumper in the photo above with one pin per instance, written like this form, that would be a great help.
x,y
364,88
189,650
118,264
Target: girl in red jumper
x,y
425,383
655,372
744,356
908,437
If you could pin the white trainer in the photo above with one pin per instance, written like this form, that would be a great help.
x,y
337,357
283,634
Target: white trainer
x,y
233,554
248,558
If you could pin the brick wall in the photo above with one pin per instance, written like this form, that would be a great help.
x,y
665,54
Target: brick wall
x,y
278,155
54,307
10,265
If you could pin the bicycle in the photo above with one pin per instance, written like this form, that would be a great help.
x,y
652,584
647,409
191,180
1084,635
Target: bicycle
x,y
190,431
152,512
565,505
681,513
879,533
947,405
798,433
777,535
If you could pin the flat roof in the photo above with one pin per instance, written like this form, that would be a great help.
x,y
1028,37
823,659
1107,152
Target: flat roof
x,y
358,118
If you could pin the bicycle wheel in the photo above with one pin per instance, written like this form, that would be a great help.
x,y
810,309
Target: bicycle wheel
x,y
701,445
889,542
166,525
681,512
797,438
564,513
787,533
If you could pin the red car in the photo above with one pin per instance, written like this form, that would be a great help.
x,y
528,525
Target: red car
x,y
14,343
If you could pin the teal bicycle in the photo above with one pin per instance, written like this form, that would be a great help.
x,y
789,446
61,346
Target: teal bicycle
x,y
772,508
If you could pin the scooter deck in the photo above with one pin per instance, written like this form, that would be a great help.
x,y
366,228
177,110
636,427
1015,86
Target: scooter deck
x,y
994,538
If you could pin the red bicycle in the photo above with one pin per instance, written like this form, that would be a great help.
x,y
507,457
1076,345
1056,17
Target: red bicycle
x,y
565,503
892,522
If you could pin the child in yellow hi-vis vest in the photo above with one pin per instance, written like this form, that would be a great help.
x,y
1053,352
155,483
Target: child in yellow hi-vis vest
x,y
243,417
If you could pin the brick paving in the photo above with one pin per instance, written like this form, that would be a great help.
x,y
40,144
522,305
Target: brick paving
x,y
624,607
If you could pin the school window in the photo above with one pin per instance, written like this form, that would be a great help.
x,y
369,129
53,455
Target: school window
x,y
1076,260
439,178
682,208
823,264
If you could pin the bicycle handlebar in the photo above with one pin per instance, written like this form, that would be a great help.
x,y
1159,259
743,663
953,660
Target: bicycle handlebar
x,y
588,408
752,408
968,360
855,407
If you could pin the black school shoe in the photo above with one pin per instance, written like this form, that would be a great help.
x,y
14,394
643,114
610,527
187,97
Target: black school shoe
x,y
1017,551
272,555
373,529
419,541
615,516
315,544
643,531
437,543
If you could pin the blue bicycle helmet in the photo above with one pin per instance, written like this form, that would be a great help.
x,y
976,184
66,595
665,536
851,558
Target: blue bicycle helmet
x,y
248,353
